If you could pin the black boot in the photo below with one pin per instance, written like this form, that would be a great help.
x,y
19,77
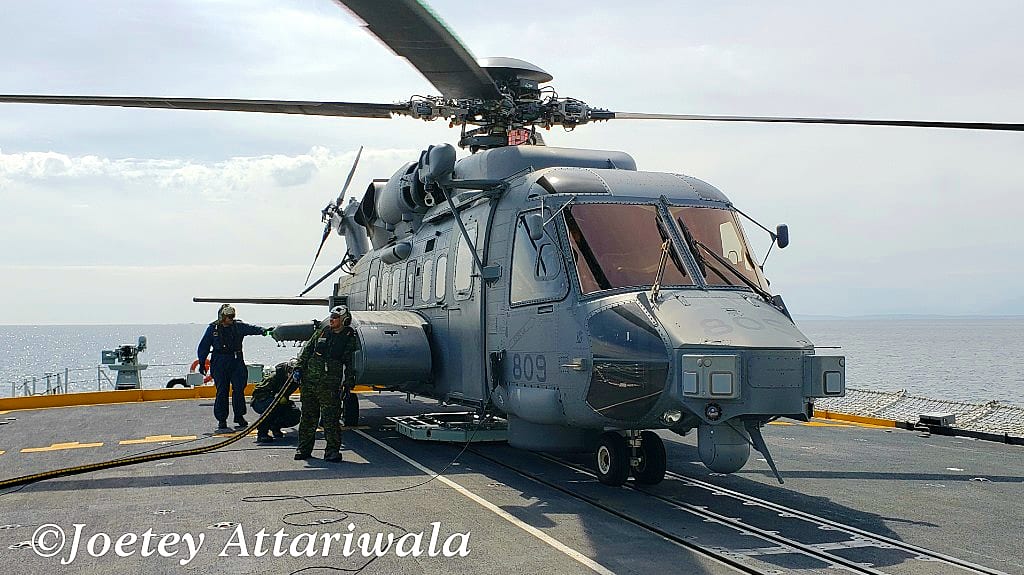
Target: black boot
x,y
241,422
264,437
222,426
300,455
332,456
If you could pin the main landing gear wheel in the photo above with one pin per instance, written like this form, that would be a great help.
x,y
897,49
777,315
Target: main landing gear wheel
x,y
350,409
651,469
612,459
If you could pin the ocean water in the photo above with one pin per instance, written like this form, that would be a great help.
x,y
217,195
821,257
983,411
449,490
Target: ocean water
x,y
974,360
969,359
27,351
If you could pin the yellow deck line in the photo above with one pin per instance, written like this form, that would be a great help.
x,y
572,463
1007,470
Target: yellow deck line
x,y
119,397
2,452
868,421
156,439
61,447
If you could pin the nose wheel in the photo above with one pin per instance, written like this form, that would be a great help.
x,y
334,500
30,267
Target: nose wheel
x,y
640,454
612,459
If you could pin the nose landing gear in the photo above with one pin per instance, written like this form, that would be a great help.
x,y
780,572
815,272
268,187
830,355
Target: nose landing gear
x,y
641,454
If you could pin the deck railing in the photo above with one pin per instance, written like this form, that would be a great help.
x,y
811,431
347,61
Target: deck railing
x,y
80,379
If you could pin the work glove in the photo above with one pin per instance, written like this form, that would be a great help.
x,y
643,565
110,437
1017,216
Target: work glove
x,y
202,367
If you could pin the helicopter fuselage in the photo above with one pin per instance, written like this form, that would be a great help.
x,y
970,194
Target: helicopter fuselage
x,y
576,319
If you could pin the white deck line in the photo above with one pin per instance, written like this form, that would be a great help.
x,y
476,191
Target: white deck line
x,y
570,552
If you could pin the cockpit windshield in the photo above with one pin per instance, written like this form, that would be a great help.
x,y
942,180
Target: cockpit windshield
x,y
718,231
619,245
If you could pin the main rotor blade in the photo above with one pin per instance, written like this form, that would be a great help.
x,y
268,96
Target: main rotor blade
x,y
601,115
265,300
415,33
347,109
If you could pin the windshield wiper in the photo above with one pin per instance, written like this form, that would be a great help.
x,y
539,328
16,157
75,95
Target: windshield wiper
x,y
690,243
666,249
760,291
661,270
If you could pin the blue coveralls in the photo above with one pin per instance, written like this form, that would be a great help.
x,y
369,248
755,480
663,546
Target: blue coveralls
x,y
227,366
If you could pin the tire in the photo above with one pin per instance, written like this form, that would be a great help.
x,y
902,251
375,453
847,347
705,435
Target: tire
x,y
651,470
350,409
612,459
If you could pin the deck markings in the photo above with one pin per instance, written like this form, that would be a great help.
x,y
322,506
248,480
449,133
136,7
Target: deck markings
x,y
156,439
61,447
2,452
556,544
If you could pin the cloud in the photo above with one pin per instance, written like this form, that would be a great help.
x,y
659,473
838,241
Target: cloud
x,y
929,215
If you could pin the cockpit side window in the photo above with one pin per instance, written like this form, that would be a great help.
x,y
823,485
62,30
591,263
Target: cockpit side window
x,y
537,270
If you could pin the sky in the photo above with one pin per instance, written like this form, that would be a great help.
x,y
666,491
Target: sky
x,y
122,216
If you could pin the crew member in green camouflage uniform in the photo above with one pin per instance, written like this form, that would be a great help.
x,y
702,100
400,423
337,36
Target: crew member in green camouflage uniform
x,y
323,362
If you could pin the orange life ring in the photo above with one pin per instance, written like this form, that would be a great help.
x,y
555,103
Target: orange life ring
x,y
195,364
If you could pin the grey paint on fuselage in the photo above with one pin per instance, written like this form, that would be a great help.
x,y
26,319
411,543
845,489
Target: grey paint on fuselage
x,y
547,353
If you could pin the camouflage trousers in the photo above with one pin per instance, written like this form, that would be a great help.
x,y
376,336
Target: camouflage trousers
x,y
321,403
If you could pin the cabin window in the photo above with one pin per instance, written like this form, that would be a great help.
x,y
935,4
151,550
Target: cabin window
x,y
619,246
464,263
371,293
427,283
396,287
717,230
441,279
410,282
537,272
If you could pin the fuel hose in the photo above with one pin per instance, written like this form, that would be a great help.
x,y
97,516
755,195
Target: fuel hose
x,y
144,458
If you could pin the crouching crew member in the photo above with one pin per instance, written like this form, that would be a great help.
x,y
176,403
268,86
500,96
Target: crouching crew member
x,y
227,366
285,413
323,362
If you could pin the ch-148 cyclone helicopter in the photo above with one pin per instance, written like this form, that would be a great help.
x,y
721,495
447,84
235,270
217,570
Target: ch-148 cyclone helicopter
x,y
586,301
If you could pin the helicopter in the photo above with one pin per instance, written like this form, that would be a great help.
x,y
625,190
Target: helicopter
x,y
587,301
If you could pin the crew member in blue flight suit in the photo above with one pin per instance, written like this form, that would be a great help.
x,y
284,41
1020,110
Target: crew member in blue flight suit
x,y
227,366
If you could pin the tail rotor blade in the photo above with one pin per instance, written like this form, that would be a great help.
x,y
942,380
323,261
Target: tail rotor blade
x,y
323,240
323,277
348,180
328,214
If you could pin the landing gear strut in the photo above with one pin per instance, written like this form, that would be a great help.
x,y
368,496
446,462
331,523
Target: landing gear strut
x,y
650,469
640,454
